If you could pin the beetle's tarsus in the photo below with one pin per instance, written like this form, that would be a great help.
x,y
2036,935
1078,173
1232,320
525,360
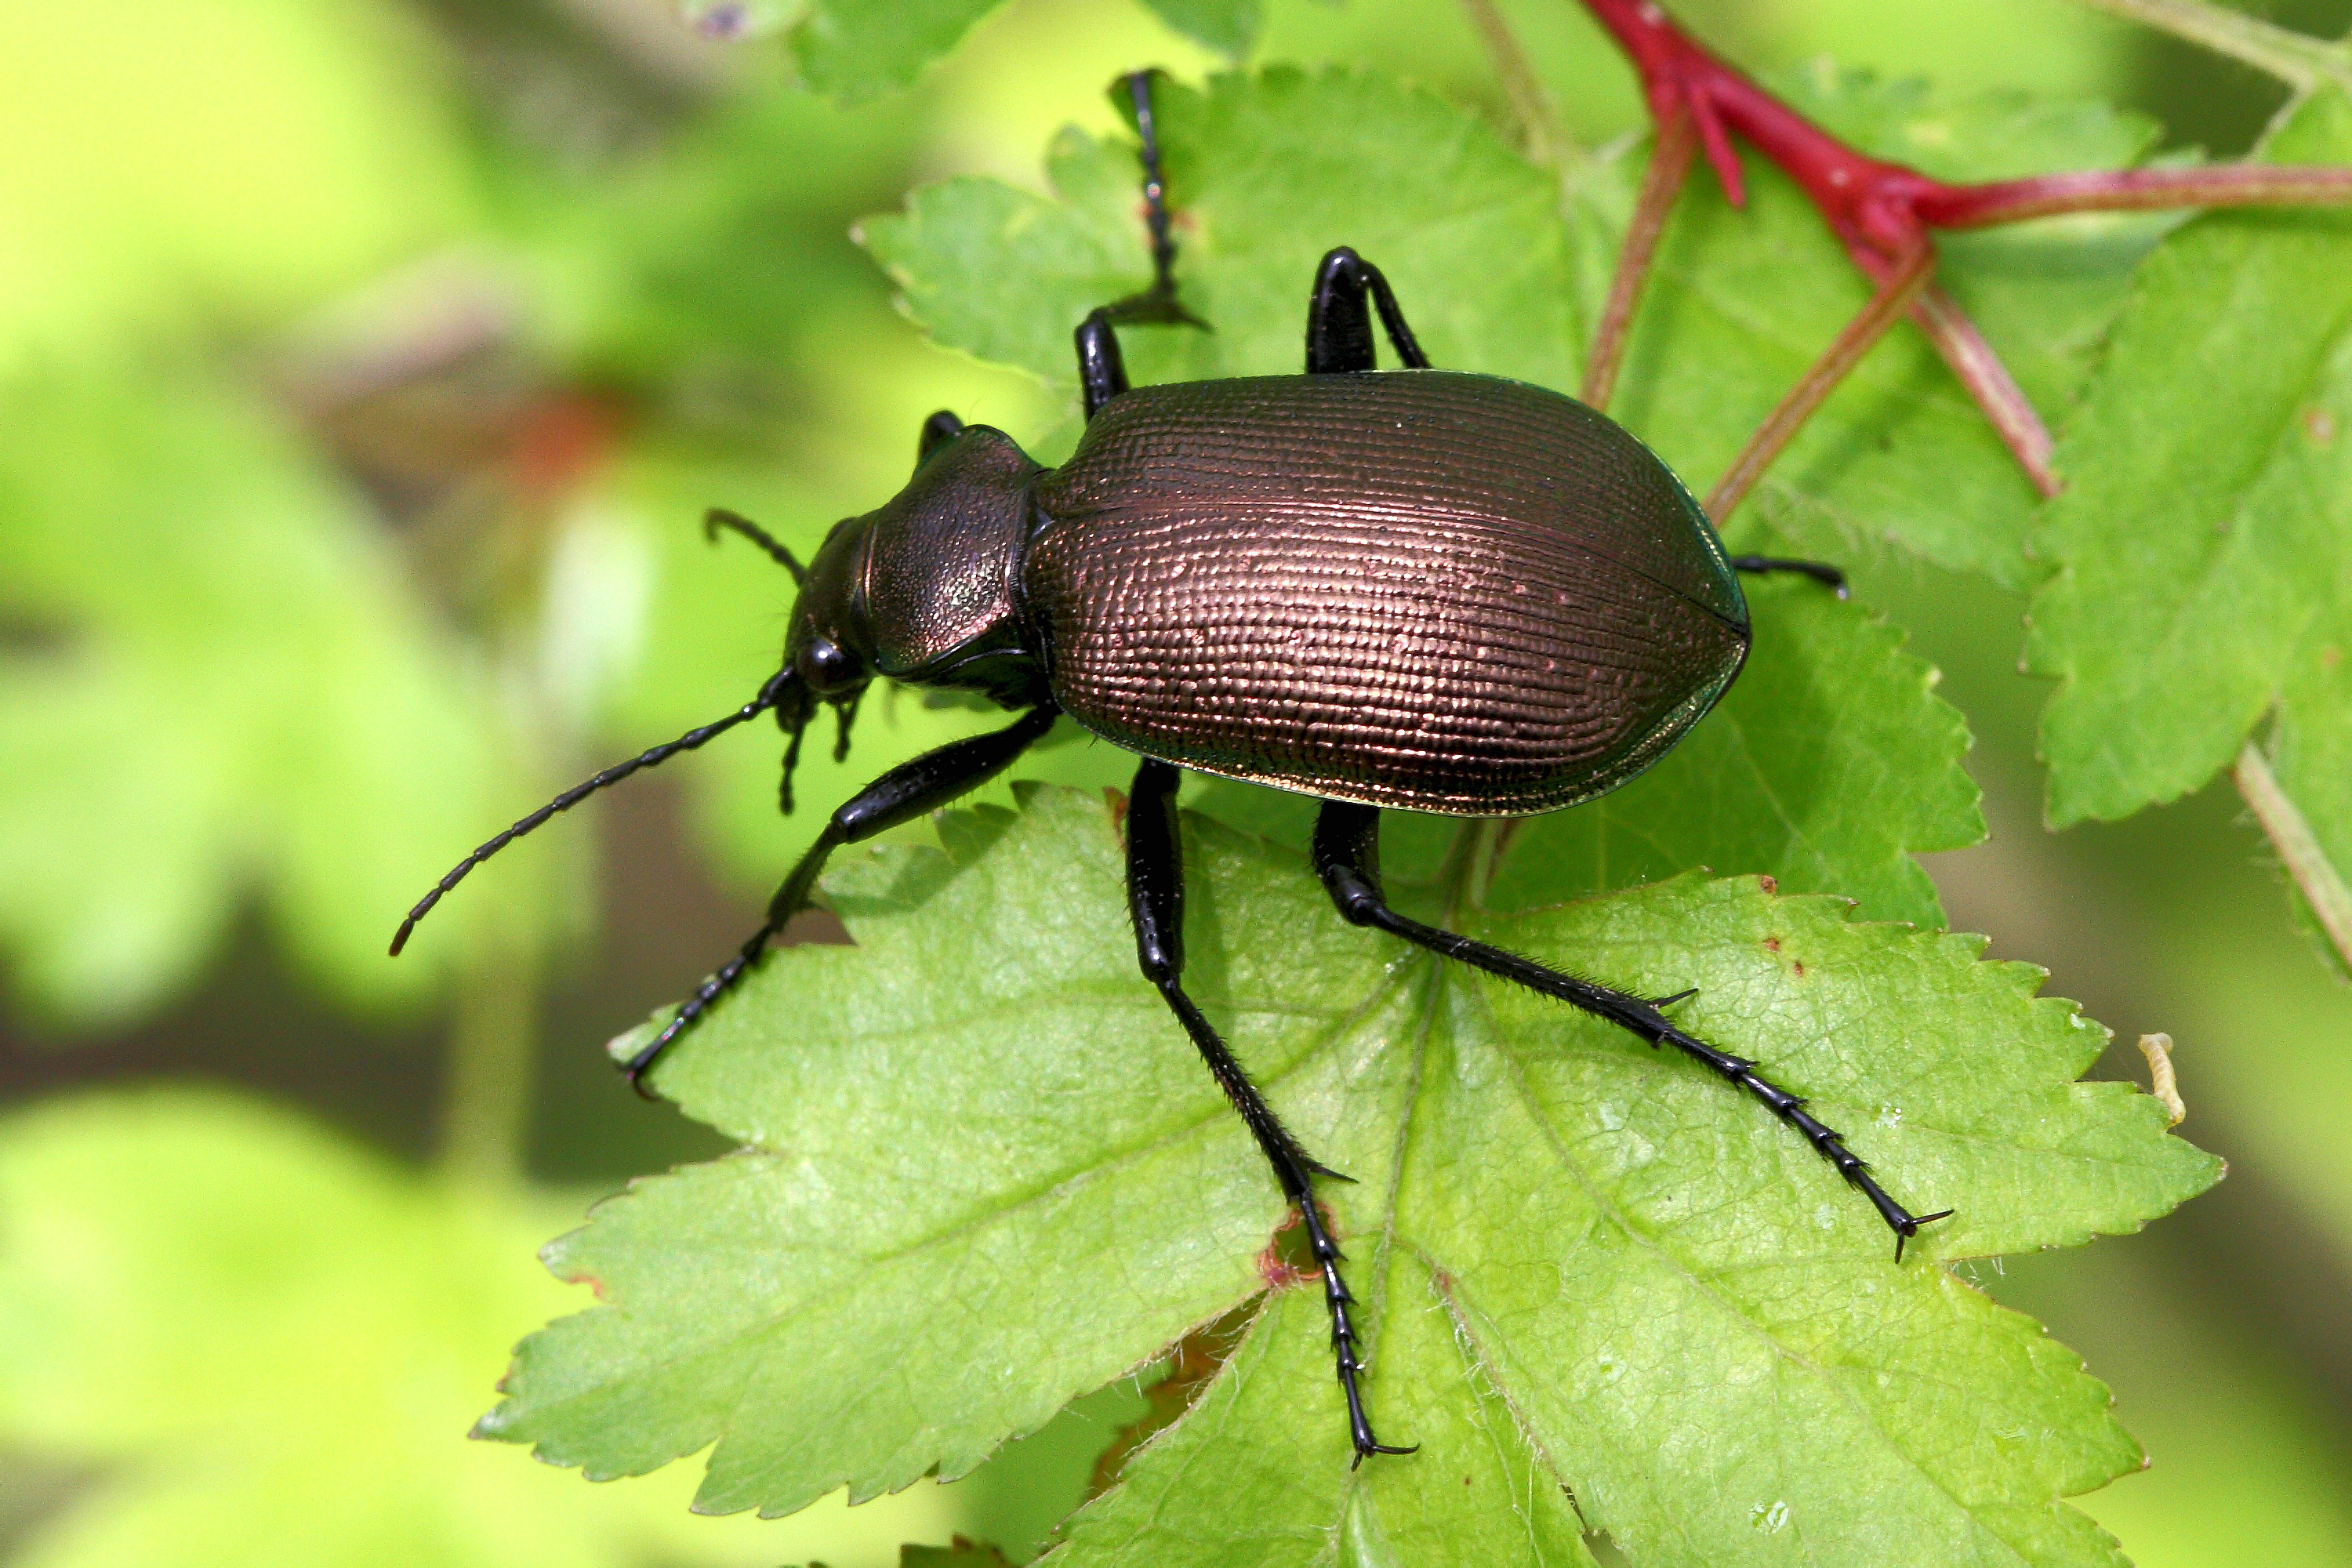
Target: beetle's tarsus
x,y
1677,997
1904,1233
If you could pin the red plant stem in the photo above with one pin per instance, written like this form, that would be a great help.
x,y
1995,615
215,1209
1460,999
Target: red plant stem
x,y
1894,297
2134,190
1662,182
1866,200
1883,211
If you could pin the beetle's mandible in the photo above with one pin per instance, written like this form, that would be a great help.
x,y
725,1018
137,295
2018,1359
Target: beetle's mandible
x,y
1426,590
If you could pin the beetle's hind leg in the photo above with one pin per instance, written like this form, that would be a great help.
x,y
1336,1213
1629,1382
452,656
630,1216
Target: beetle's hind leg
x,y
1102,372
1347,856
1155,897
1339,318
1820,572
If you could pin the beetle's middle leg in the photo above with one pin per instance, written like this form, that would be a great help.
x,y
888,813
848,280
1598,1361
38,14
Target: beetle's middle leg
x,y
1347,856
1339,317
1155,897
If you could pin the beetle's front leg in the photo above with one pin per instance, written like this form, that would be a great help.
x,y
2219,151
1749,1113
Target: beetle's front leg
x,y
907,791
1347,856
1155,897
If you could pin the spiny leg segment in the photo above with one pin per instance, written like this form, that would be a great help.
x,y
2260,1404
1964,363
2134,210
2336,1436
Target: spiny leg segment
x,y
1155,897
1347,857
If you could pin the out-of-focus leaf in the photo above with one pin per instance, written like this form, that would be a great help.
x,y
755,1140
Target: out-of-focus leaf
x,y
220,688
1228,27
960,1554
1829,764
2205,545
265,1343
240,161
1576,1256
854,49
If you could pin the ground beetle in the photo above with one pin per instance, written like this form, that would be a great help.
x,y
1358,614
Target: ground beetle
x,y
1428,590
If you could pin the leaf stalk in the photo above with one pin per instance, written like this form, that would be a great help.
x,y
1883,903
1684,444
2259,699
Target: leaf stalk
x,y
2296,59
2315,877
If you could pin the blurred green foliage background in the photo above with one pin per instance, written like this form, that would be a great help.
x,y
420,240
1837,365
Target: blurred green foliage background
x,y
366,366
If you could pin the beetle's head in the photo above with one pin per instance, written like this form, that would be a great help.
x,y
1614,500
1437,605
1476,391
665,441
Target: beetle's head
x,y
828,646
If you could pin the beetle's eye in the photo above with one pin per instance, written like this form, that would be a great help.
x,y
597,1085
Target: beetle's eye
x,y
826,666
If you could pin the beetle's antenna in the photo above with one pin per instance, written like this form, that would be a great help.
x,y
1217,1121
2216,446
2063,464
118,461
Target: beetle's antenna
x,y
719,517
772,695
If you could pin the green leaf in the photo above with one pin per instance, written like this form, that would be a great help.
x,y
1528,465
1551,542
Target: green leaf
x,y
855,50
1583,1264
1829,764
1228,27
2202,546
250,1331
224,688
1267,172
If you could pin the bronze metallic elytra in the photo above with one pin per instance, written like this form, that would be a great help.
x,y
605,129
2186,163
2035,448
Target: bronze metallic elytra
x,y
1427,590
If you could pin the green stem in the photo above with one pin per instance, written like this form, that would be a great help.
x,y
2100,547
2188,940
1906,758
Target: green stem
x,y
1540,134
2315,875
493,1058
2300,60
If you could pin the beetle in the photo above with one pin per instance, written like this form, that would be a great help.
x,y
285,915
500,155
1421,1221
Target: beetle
x,y
1423,589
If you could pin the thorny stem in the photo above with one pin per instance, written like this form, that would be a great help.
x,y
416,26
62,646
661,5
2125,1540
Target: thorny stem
x,y
2294,57
1883,211
1894,297
1530,106
2315,877
1662,182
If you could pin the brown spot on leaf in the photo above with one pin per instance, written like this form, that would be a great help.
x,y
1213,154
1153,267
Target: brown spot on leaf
x,y
1771,945
2320,425
1797,968
1767,884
